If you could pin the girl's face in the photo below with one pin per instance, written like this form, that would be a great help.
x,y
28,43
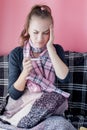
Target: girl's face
x,y
39,31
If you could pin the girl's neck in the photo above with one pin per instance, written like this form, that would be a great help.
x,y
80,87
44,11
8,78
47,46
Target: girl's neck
x,y
36,50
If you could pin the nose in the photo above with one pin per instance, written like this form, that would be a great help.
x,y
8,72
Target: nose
x,y
40,37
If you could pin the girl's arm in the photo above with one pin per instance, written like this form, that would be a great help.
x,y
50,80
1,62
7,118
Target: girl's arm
x,y
17,73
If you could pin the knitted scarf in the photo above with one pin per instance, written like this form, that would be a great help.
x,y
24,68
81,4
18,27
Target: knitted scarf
x,y
42,76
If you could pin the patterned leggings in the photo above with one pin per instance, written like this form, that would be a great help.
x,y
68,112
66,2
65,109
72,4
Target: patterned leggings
x,y
41,116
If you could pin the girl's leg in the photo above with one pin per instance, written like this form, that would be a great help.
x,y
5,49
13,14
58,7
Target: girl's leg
x,y
58,123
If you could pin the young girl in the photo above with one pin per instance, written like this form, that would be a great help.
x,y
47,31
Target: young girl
x,y
35,66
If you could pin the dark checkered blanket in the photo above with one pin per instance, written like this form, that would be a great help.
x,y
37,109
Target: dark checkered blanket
x,y
77,62
77,87
3,81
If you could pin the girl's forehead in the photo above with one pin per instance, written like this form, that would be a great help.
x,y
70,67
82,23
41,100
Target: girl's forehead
x,y
38,23
35,19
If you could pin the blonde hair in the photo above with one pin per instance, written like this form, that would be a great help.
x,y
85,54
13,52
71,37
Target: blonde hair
x,y
42,11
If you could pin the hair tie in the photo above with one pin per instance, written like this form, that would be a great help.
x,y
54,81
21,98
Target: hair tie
x,y
42,8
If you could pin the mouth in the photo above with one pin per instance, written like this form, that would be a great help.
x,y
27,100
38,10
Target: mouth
x,y
40,43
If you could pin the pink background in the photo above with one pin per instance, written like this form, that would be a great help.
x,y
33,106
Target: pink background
x,y
70,17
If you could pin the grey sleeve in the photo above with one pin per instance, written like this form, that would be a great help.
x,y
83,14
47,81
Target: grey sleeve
x,y
14,72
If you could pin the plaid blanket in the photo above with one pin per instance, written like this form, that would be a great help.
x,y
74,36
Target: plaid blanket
x,y
77,87
3,81
78,120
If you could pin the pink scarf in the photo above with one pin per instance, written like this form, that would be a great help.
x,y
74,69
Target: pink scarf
x,y
42,76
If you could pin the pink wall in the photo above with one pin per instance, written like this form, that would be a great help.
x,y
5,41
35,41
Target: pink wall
x,y
70,17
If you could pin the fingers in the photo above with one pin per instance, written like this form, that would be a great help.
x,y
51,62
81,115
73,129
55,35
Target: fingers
x,y
25,59
27,65
51,37
51,33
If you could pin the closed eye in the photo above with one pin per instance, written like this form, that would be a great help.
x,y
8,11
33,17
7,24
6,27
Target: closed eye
x,y
35,32
46,33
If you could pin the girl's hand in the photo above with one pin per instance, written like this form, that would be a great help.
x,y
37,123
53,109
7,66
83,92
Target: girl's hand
x,y
27,66
51,38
